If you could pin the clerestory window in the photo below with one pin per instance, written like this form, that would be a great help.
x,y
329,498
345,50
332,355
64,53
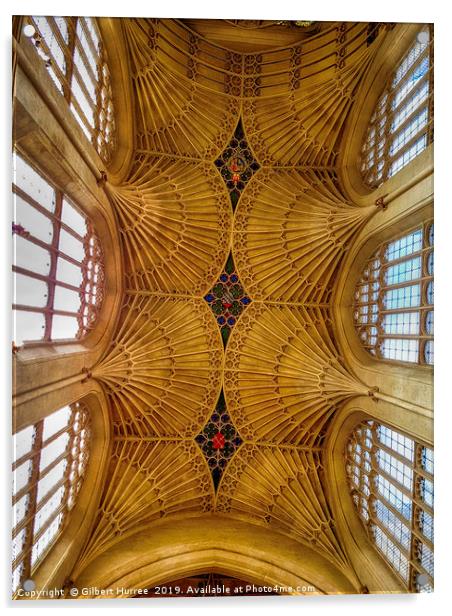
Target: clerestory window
x,y
391,481
402,124
393,306
72,51
50,460
57,264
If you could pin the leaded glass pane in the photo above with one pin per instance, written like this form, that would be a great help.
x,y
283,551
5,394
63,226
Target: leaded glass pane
x,y
397,512
391,297
56,452
401,126
71,250
73,54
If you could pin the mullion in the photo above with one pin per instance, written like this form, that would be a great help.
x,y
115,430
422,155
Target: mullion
x,y
415,135
26,553
40,475
386,336
401,458
44,278
393,510
401,285
63,506
400,153
408,75
86,63
44,311
81,114
44,211
407,100
53,264
32,491
431,85
392,480
33,488
377,522
408,523
416,89
413,509
50,248
387,113
412,562
386,136
426,308
88,36
53,63
32,453
416,536
81,82
418,253
71,26
28,518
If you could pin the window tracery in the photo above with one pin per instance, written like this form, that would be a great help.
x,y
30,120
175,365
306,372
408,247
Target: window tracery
x,y
391,482
58,264
50,460
72,51
402,124
393,309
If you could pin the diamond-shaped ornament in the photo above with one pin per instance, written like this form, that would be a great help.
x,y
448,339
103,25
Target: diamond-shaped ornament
x,y
237,164
218,440
227,299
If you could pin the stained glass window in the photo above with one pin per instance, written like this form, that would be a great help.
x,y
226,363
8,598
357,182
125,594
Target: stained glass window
x,y
50,459
391,481
72,51
402,123
227,299
393,310
218,440
58,266
237,164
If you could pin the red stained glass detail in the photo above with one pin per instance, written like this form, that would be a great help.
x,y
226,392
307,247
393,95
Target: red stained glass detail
x,y
218,441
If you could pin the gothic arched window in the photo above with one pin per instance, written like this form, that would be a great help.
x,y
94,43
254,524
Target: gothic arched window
x,y
391,482
402,123
58,268
50,459
393,307
72,50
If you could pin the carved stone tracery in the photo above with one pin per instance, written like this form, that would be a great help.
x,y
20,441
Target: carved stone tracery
x,y
282,375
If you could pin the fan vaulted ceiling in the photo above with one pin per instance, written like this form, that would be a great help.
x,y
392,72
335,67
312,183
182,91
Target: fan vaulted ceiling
x,y
279,369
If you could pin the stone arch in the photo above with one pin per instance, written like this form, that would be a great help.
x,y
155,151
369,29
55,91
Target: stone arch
x,y
169,550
